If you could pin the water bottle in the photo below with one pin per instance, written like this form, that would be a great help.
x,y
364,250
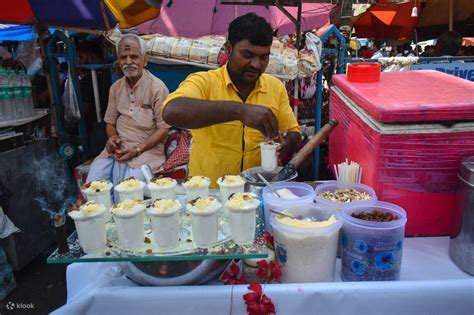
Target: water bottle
x,y
27,94
10,97
18,92
3,95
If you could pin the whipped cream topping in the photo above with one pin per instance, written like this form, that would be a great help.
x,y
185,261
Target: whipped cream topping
x,y
128,207
203,205
129,184
164,182
242,201
197,182
231,180
97,186
164,206
89,209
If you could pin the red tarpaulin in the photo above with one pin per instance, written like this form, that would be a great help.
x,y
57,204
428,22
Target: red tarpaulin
x,y
387,21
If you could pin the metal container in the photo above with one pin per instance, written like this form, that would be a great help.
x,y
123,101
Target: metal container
x,y
173,272
254,183
461,245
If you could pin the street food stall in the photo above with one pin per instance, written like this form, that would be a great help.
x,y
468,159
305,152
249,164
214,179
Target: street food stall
x,y
336,246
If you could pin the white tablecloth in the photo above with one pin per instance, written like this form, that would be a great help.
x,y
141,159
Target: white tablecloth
x,y
430,284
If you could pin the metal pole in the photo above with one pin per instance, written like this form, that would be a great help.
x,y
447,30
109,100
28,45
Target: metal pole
x,y
95,87
317,123
298,26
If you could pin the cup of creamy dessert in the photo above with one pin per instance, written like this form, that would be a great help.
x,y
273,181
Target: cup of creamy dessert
x,y
197,186
204,224
164,214
90,226
230,184
162,188
242,208
129,218
130,188
268,155
99,191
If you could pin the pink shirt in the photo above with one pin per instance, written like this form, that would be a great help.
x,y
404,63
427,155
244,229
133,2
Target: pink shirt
x,y
136,115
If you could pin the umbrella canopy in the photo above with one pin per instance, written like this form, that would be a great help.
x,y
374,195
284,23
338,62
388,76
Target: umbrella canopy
x,y
434,19
387,21
17,32
196,18
86,14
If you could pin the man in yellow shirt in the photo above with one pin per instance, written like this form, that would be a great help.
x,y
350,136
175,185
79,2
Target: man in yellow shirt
x,y
232,109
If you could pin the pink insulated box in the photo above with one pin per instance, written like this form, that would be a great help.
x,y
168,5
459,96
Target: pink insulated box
x,y
409,132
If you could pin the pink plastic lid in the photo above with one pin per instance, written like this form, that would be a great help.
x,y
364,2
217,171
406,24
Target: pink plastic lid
x,y
419,95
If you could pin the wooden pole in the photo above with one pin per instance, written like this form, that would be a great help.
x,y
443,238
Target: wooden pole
x,y
451,9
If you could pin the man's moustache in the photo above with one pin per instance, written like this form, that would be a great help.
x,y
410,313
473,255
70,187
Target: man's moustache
x,y
129,67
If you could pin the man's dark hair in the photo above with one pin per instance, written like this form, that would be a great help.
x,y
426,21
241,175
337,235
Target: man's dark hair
x,y
377,43
448,44
251,27
406,46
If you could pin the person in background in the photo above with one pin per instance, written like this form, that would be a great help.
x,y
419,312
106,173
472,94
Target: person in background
x,y
418,50
232,109
365,52
407,51
428,52
135,129
448,44
376,45
7,61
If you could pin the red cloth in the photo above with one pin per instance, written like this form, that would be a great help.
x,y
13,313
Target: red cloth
x,y
180,155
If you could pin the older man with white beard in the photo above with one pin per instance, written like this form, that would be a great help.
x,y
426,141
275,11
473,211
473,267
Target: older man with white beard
x,y
135,129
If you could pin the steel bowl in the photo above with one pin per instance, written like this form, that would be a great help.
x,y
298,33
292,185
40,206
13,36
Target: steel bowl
x,y
254,183
164,273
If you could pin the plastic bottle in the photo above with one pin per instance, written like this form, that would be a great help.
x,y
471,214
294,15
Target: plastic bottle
x,y
3,96
10,113
18,92
27,94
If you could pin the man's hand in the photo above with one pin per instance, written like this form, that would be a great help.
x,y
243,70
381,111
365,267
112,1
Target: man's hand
x,y
289,142
125,155
260,118
113,144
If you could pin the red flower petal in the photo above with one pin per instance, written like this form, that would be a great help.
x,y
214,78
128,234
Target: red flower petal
x,y
234,268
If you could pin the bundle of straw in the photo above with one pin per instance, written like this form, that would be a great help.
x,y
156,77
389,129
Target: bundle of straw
x,y
348,172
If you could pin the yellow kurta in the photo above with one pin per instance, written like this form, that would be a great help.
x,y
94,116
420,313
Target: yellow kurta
x,y
229,148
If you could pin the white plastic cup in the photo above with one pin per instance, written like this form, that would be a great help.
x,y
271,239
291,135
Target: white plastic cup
x,y
227,190
91,231
307,254
162,192
130,229
133,194
103,198
204,229
268,155
243,219
165,226
195,192
242,225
